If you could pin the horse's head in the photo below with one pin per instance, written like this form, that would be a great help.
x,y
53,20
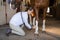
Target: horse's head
x,y
15,3
12,4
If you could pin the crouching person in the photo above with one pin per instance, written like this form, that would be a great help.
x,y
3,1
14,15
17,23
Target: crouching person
x,y
17,20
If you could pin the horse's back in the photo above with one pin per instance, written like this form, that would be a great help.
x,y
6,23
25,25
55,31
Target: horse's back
x,y
40,3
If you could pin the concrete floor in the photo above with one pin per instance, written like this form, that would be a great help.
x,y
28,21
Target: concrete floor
x,y
52,32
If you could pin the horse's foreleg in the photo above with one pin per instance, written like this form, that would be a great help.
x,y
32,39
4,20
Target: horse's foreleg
x,y
43,29
36,27
44,19
30,19
34,22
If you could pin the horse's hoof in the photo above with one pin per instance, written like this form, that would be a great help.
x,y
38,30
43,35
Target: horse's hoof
x,y
43,31
33,27
36,33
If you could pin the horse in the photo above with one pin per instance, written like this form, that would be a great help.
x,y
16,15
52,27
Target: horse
x,y
16,4
36,5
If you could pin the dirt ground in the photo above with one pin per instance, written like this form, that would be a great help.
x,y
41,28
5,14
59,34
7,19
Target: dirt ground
x,y
52,32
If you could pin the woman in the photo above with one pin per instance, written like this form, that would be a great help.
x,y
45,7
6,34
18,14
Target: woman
x,y
16,21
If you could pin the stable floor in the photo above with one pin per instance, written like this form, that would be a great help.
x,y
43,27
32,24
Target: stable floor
x,y
52,32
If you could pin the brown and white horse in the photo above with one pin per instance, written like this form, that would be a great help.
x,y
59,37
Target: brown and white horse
x,y
40,4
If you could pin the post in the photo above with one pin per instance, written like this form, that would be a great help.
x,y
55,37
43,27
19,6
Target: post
x,y
6,11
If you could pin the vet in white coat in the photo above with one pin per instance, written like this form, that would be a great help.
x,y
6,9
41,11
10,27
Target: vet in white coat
x,y
18,20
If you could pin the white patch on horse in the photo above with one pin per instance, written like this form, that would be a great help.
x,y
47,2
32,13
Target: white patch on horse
x,y
34,23
10,6
43,29
36,29
48,9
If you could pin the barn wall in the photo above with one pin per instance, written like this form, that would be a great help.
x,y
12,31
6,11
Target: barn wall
x,y
3,11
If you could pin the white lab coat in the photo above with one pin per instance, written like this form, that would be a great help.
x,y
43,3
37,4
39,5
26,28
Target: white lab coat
x,y
18,20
